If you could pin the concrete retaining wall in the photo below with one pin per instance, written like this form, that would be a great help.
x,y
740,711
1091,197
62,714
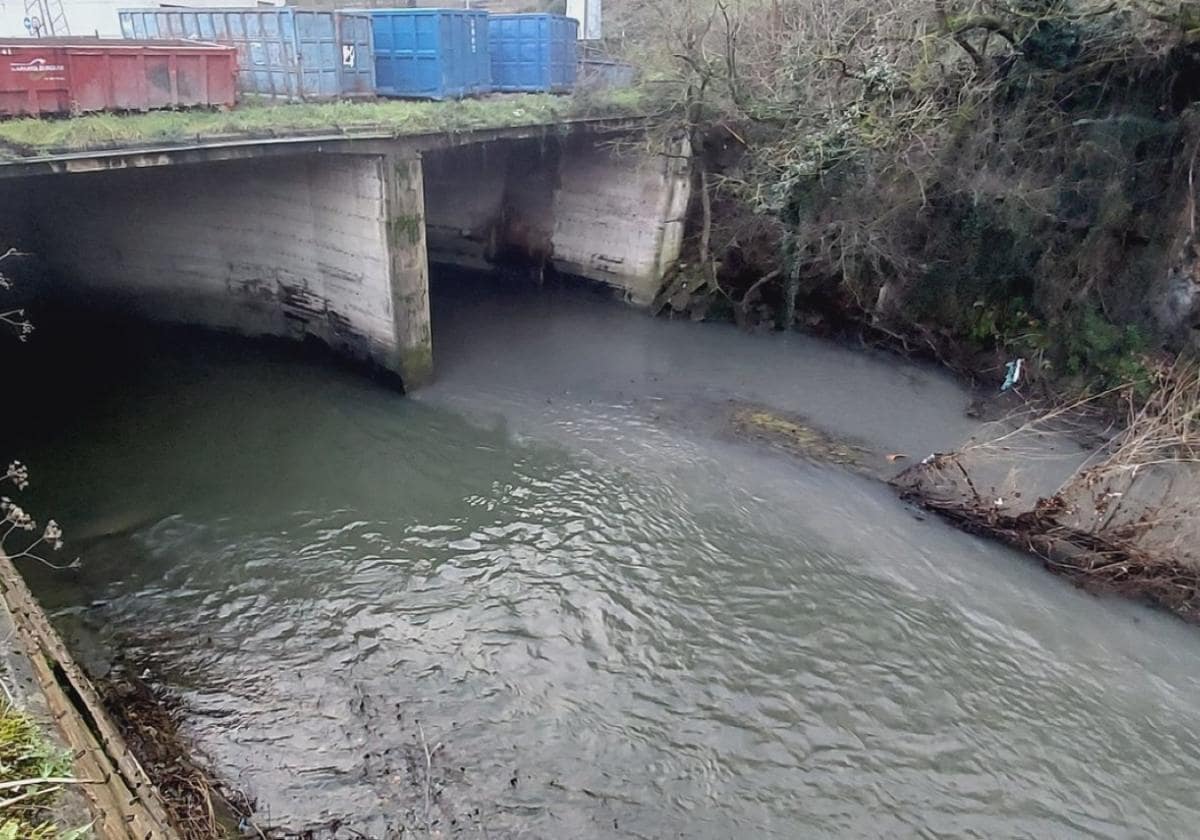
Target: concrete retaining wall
x,y
592,210
464,196
619,217
330,247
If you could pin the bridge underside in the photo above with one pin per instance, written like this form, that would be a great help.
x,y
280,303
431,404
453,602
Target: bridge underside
x,y
603,212
333,245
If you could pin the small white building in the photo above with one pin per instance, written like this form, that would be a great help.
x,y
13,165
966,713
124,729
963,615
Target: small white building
x,y
588,13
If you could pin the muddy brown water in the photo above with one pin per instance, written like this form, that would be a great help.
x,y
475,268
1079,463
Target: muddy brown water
x,y
618,619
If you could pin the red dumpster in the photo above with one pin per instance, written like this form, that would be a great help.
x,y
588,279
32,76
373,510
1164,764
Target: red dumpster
x,y
73,75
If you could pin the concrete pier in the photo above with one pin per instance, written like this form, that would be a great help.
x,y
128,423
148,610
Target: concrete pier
x,y
408,268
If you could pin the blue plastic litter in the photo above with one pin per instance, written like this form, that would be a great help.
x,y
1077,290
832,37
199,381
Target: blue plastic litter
x,y
1012,376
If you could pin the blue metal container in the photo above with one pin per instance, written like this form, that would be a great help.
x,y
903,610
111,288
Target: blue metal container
x,y
431,53
533,52
283,53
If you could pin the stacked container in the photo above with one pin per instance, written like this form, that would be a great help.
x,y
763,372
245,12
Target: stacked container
x,y
533,53
431,53
74,75
283,53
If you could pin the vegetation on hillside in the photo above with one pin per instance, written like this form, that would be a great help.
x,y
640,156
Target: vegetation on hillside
x,y
1004,185
978,180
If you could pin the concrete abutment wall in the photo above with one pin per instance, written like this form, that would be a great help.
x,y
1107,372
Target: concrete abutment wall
x,y
329,247
609,213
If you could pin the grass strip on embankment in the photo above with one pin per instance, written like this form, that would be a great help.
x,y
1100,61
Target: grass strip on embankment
x,y
31,766
25,137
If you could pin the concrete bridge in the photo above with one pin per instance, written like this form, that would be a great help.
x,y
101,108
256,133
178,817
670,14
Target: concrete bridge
x,y
331,236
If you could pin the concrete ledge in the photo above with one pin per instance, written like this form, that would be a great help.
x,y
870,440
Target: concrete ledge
x,y
365,140
326,236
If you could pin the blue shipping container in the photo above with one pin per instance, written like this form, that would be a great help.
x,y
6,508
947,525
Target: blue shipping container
x,y
533,52
431,53
283,53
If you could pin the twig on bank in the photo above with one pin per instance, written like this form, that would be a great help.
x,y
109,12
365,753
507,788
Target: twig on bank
x,y
1086,530
49,780
8,803
429,754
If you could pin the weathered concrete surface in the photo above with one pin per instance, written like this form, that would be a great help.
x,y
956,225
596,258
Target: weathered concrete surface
x,y
619,216
17,670
588,208
328,247
355,140
329,239
408,268
125,804
464,201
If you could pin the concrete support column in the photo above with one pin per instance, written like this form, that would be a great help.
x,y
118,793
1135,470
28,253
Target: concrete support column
x,y
677,193
408,267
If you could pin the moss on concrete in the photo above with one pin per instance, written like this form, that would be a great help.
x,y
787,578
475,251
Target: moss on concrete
x,y
415,365
406,230
27,137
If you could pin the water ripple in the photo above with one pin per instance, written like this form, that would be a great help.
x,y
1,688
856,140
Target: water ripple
x,y
642,656
616,627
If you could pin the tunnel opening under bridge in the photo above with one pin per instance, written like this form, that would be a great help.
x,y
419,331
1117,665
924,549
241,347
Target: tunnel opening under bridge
x,y
335,245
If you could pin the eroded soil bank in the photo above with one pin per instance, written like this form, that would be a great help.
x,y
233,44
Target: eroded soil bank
x,y
1119,519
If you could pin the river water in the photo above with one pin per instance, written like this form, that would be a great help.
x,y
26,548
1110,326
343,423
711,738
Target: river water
x,y
617,619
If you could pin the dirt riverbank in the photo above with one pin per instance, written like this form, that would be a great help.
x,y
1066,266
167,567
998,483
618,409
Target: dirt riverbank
x,y
1120,518
1044,487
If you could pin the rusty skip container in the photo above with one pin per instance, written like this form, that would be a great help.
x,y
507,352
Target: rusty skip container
x,y
76,75
283,53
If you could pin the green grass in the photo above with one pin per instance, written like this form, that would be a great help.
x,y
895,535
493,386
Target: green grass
x,y
28,136
26,753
